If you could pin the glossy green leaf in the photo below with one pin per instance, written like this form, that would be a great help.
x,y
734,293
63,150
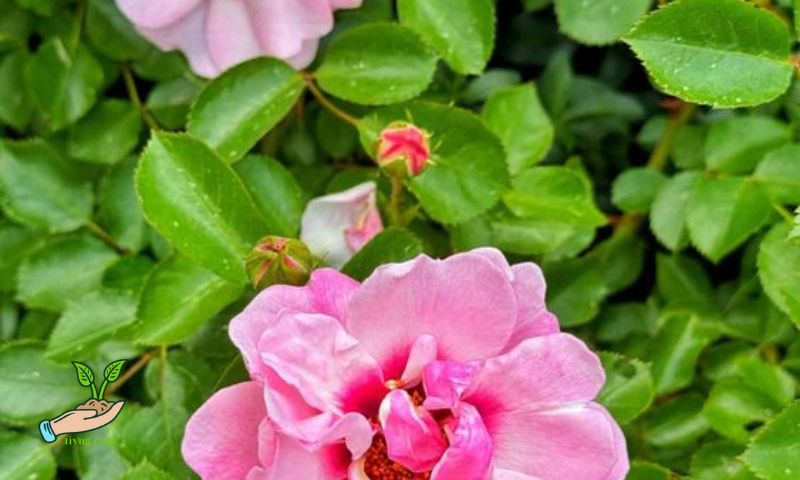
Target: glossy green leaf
x,y
145,471
22,456
392,245
64,83
635,189
775,451
236,109
112,33
376,64
682,280
668,212
17,108
779,270
676,422
732,408
15,244
178,298
576,289
629,387
719,460
118,207
675,349
779,174
723,213
169,102
725,53
462,32
196,201
599,22
738,144
120,124
40,189
43,275
517,117
275,192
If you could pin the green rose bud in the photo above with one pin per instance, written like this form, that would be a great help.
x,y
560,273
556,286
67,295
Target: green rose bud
x,y
278,260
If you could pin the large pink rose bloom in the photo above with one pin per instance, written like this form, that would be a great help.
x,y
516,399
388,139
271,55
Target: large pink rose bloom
x,y
217,34
442,370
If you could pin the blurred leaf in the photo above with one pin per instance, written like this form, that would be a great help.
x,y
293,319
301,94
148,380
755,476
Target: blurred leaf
x,y
170,101
779,270
24,457
112,33
89,321
668,213
33,389
61,270
629,387
692,53
723,213
779,174
196,201
237,108
636,188
15,25
687,148
178,298
16,109
128,273
719,460
15,244
648,471
40,189
732,408
675,349
63,83
107,134
145,471
600,21
118,210
494,79
683,280
461,31
184,380
517,117
576,289
775,451
376,64
677,422
275,192
737,144
392,245
101,461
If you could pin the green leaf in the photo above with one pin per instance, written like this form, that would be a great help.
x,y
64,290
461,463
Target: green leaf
x,y
275,191
33,389
390,246
725,53
196,201
723,213
40,189
237,108
22,456
468,173
64,84
462,32
599,22
120,124
629,387
635,189
113,370
118,207
16,243
85,374
687,149
648,471
178,298
668,213
719,460
679,421
675,349
774,453
16,109
112,33
779,270
90,321
576,289
169,102
517,117
534,236
376,64
101,461
737,144
16,25
779,174
682,280
145,471
129,273
63,269
732,409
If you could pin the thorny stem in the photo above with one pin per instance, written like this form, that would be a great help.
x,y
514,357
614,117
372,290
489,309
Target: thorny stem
x,y
327,104
133,93
98,232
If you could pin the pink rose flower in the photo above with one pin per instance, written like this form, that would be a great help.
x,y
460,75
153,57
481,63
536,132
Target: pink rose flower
x,y
429,369
336,226
218,34
403,149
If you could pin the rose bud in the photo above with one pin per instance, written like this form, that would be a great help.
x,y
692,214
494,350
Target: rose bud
x,y
278,260
403,149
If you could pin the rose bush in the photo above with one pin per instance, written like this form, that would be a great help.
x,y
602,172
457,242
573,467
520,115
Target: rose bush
x,y
317,232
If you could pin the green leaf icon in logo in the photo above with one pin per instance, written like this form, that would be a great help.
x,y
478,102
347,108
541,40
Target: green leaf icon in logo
x,y
85,377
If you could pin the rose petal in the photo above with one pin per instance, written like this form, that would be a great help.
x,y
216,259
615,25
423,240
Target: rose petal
x,y
295,462
423,352
150,14
445,382
188,35
413,438
469,456
230,34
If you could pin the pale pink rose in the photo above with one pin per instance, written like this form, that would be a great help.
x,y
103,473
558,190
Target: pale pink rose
x,y
336,226
429,369
218,34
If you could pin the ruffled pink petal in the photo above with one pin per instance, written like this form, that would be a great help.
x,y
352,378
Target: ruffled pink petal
x,y
327,292
335,226
188,35
294,462
469,456
465,301
156,13
230,34
500,474
534,320
445,382
573,443
227,436
282,28
313,353
413,438
423,352
542,372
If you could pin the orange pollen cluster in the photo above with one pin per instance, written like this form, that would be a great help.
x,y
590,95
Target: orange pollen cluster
x,y
377,465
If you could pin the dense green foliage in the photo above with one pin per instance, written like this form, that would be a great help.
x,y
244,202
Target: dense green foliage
x,y
645,155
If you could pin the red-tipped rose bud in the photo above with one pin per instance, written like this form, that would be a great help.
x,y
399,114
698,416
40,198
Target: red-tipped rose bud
x,y
278,260
403,149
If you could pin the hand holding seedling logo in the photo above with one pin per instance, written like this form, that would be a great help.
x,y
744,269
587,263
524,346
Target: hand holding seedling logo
x,y
92,414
